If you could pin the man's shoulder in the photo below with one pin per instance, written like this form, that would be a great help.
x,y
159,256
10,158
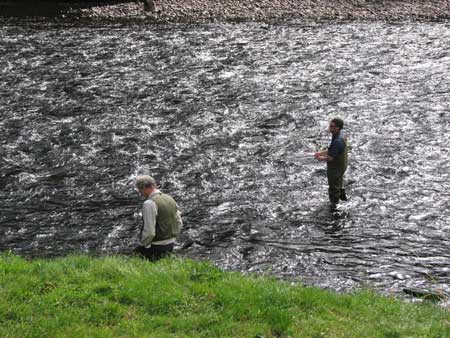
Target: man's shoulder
x,y
166,198
337,141
149,202
340,138
163,198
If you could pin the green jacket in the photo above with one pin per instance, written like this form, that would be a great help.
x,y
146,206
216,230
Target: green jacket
x,y
166,221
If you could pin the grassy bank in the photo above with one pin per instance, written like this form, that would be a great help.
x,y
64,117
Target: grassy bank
x,y
81,296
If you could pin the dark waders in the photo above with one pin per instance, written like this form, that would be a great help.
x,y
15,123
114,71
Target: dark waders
x,y
149,5
336,185
335,175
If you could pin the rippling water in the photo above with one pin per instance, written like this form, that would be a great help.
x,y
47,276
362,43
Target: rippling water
x,y
227,116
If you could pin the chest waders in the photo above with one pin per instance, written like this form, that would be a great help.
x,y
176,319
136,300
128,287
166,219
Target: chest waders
x,y
335,176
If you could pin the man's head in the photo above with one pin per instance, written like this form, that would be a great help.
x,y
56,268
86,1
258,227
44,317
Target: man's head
x,y
336,125
145,184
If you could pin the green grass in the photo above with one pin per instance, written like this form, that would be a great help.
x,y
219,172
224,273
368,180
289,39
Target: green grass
x,y
82,296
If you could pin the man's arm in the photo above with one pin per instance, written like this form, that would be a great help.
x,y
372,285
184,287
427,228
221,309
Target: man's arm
x,y
336,148
323,156
179,220
149,212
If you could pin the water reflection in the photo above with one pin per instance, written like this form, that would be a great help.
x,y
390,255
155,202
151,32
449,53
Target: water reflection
x,y
227,117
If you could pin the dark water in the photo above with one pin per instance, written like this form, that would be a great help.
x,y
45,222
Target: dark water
x,y
227,117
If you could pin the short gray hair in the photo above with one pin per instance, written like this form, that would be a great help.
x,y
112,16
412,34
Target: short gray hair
x,y
144,181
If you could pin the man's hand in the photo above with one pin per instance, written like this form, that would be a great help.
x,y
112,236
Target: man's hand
x,y
321,155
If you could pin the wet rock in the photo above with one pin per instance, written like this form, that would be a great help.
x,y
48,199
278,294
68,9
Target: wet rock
x,y
422,217
433,296
61,173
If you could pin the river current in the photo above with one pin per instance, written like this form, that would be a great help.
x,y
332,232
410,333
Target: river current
x,y
226,117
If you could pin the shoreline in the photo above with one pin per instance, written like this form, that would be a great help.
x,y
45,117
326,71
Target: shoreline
x,y
201,11
117,296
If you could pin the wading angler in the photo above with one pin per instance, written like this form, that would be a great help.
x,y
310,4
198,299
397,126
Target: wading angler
x,y
337,159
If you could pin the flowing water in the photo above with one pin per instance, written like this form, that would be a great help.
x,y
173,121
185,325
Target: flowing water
x,y
226,117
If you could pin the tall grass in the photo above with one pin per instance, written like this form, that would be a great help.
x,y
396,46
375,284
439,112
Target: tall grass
x,y
82,296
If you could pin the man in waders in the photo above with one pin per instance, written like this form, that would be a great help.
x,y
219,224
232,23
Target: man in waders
x,y
161,220
336,158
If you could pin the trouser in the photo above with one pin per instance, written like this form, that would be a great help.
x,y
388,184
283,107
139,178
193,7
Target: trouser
x,y
149,5
154,252
336,185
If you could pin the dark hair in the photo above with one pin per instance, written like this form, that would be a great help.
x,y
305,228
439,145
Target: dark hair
x,y
338,122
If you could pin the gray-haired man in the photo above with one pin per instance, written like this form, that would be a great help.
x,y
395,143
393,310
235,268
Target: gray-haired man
x,y
161,220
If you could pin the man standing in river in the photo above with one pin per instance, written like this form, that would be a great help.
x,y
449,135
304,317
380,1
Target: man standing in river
x,y
161,220
336,158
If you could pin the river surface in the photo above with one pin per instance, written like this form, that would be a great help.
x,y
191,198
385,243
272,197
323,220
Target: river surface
x,y
226,117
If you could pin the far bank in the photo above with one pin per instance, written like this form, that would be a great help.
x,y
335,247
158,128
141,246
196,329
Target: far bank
x,y
166,11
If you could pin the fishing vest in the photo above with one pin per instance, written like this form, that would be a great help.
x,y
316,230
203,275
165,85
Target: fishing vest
x,y
340,161
166,220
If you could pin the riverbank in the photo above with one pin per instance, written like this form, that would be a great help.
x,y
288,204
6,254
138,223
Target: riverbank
x,y
82,296
166,11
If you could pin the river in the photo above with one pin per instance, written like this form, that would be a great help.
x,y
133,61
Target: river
x,y
226,117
